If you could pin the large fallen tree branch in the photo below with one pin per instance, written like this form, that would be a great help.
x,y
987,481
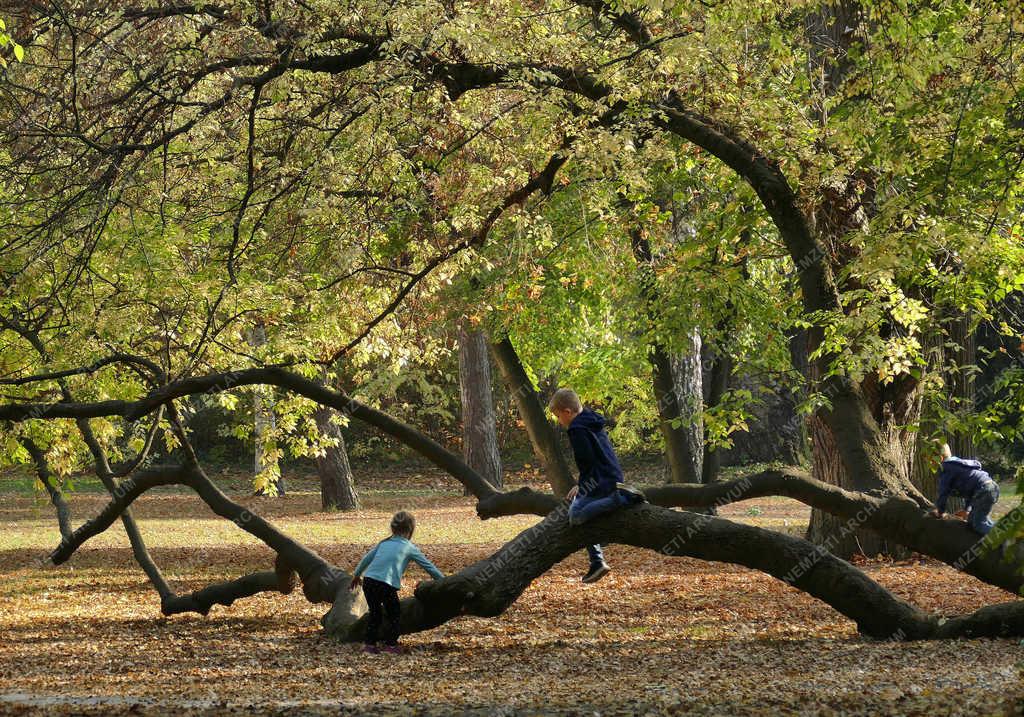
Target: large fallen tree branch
x,y
895,517
224,593
488,587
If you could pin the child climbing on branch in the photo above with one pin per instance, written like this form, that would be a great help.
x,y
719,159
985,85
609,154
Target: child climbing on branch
x,y
382,569
600,489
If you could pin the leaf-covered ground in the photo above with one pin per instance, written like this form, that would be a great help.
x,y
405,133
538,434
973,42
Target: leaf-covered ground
x,y
661,636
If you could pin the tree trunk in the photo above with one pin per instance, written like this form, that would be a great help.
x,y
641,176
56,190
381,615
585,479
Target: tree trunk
x,y
717,385
842,537
543,438
337,489
688,372
891,410
49,482
682,463
479,429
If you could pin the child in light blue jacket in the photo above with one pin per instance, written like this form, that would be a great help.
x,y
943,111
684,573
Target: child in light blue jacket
x,y
382,569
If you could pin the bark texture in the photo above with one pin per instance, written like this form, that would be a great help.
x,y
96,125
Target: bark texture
x,y
487,588
688,372
479,426
337,488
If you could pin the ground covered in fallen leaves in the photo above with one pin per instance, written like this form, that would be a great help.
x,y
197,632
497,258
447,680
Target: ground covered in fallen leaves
x,y
657,636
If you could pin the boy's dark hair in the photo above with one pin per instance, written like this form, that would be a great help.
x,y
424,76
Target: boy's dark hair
x,y
403,523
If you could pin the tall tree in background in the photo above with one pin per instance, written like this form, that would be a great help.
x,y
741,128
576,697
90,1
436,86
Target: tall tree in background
x,y
679,449
479,426
337,487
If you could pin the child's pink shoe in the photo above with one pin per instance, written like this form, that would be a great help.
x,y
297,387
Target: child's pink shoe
x,y
372,649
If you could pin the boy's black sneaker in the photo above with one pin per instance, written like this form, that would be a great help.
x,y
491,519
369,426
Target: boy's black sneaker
x,y
597,572
635,495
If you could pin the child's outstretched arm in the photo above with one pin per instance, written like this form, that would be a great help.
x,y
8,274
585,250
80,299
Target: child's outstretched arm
x,y
425,563
363,564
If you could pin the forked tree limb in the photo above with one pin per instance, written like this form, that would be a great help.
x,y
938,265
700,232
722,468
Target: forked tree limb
x,y
897,518
487,588
126,493
282,579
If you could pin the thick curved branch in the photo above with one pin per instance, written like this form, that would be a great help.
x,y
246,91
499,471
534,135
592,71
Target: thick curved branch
x,y
489,587
271,376
224,594
898,518
18,412
126,492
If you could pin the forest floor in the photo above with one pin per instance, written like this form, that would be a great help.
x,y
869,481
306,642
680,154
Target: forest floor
x,y
657,636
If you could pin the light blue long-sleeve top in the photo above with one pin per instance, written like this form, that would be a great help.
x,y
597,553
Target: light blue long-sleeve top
x,y
388,561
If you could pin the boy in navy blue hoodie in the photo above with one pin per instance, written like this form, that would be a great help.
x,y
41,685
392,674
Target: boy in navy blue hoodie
x,y
600,489
964,477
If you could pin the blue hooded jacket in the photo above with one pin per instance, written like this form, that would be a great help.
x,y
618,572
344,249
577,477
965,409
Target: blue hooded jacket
x,y
599,466
960,477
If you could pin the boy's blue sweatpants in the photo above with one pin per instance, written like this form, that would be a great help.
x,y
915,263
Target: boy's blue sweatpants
x,y
584,508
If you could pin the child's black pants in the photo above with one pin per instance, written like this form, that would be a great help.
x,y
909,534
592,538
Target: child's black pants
x,y
382,599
